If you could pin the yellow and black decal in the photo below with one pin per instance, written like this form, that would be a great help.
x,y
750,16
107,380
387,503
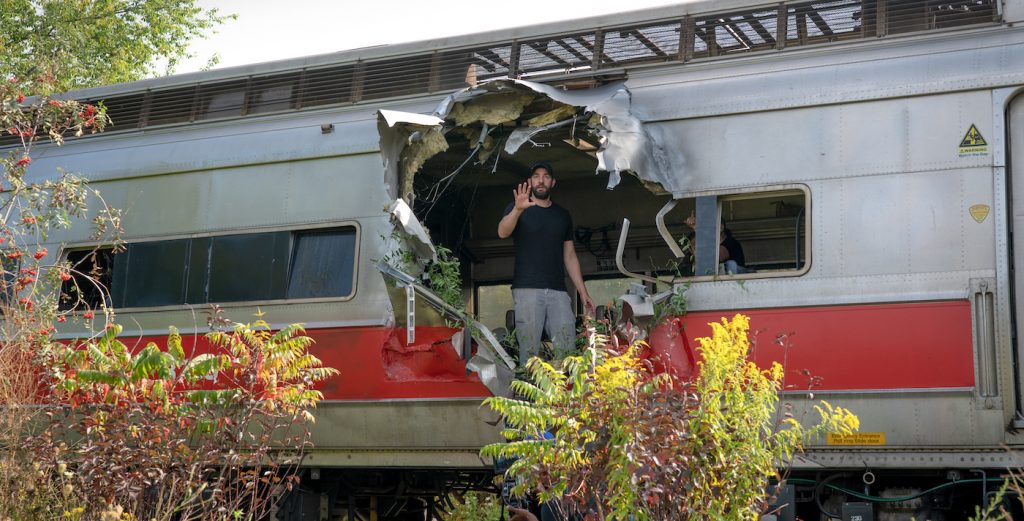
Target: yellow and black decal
x,y
856,438
973,144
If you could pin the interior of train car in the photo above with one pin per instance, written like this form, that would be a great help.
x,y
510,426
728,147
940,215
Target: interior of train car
x,y
461,195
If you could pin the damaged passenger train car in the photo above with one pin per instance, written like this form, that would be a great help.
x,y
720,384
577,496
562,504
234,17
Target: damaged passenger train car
x,y
861,151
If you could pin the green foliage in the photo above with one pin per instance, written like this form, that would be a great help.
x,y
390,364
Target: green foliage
x,y
73,45
30,208
674,306
631,445
590,407
150,429
1012,489
475,506
443,275
445,279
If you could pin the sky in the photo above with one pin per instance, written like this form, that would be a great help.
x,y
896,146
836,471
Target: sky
x,y
269,30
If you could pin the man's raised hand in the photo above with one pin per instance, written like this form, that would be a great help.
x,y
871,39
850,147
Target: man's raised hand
x,y
522,195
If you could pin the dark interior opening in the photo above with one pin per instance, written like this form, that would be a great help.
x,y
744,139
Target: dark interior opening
x,y
462,212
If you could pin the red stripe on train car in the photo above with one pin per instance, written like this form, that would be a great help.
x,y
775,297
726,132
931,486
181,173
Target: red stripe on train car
x,y
855,347
923,345
376,364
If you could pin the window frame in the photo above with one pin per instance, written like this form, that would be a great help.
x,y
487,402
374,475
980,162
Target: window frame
x,y
67,248
739,194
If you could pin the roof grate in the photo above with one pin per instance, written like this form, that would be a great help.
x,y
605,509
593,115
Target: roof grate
x,y
706,36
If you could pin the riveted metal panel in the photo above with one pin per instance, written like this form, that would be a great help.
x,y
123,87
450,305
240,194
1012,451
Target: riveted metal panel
x,y
941,63
801,145
909,459
916,419
245,197
402,424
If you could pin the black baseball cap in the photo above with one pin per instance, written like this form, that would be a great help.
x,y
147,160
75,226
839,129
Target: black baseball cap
x,y
542,164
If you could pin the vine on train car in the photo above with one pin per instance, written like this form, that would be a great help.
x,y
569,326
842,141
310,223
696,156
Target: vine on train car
x,y
605,437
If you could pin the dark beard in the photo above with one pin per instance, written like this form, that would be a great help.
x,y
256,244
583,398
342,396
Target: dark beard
x,y
535,195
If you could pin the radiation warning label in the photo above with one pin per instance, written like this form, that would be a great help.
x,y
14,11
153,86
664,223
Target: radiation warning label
x,y
973,144
856,438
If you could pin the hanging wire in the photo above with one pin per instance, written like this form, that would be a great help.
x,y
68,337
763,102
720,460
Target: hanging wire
x,y
438,190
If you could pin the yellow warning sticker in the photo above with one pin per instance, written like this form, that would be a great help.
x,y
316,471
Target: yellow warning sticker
x,y
979,212
857,438
973,144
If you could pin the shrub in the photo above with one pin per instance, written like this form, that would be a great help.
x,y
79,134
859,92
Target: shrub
x,y
161,434
628,444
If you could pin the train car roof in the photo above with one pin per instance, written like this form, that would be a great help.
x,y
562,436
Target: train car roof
x,y
578,53
562,30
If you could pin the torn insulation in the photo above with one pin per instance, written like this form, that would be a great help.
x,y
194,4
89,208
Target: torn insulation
x,y
493,109
626,144
423,145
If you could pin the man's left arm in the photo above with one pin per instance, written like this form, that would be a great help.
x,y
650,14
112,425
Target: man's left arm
x,y
572,267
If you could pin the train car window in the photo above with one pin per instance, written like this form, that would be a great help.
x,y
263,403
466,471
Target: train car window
x,y
323,264
248,267
770,229
253,266
90,272
759,233
153,274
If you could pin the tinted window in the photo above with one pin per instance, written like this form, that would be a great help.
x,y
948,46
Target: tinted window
x,y
248,267
323,264
155,274
224,268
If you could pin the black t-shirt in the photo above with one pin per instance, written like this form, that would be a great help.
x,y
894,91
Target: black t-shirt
x,y
734,249
539,239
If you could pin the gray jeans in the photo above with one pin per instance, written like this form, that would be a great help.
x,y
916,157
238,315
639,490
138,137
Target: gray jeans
x,y
540,310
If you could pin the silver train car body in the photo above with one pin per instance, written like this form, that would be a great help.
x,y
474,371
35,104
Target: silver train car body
x,y
871,179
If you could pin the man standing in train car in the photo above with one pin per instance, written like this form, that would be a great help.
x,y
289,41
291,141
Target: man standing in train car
x,y
543,236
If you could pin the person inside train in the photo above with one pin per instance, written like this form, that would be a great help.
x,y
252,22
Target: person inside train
x,y
730,251
542,234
